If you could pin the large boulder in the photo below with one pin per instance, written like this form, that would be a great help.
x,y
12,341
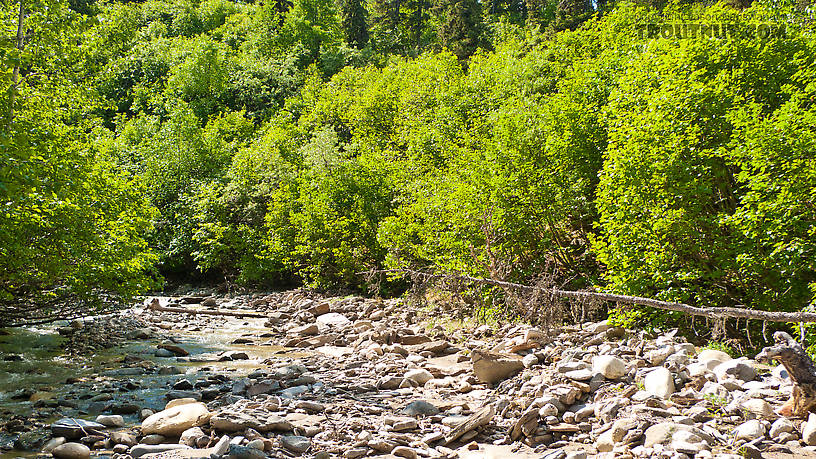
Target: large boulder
x,y
175,420
491,367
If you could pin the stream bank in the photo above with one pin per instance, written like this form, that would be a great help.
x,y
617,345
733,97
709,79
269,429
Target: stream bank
x,y
358,377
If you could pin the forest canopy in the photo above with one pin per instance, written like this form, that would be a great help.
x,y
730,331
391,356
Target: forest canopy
x,y
660,149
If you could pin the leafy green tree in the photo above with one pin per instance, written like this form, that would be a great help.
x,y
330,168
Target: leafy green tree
x,y
678,194
72,226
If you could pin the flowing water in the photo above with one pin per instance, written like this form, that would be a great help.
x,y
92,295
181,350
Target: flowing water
x,y
42,372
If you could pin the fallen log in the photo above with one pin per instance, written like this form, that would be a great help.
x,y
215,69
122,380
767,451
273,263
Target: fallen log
x,y
801,369
711,313
156,306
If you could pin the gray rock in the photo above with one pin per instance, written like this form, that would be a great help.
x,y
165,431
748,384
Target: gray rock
x,y
658,356
419,376
296,443
114,420
310,406
257,444
71,451
190,436
529,360
53,443
734,369
222,446
153,439
420,408
244,452
72,428
780,426
163,353
579,375
662,433
230,420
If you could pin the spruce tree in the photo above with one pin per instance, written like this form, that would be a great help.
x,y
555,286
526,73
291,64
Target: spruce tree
x,y
353,22
460,26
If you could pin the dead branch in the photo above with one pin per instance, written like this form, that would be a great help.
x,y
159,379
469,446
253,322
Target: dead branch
x,y
711,313
155,306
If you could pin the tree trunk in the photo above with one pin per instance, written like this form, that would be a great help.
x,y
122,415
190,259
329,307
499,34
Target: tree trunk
x,y
15,74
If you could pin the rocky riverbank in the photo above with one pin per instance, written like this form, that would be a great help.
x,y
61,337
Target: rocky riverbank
x,y
354,377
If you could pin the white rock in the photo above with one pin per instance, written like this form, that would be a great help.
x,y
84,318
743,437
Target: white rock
x,y
529,360
750,430
734,369
659,382
332,319
686,436
809,430
713,354
658,356
606,441
758,407
548,410
172,422
780,426
609,366
692,449
189,436
665,431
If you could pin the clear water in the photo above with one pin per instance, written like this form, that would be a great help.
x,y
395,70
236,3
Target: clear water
x,y
44,369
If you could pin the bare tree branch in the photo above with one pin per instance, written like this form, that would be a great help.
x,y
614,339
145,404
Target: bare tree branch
x,y
711,313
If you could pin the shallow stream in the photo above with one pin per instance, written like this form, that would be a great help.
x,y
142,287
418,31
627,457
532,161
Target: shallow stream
x,y
33,368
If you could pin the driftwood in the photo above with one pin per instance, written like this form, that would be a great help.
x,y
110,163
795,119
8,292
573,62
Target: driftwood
x,y
156,306
711,313
801,369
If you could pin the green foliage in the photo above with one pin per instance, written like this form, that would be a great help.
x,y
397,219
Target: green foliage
x,y
71,225
694,165
720,346
308,140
